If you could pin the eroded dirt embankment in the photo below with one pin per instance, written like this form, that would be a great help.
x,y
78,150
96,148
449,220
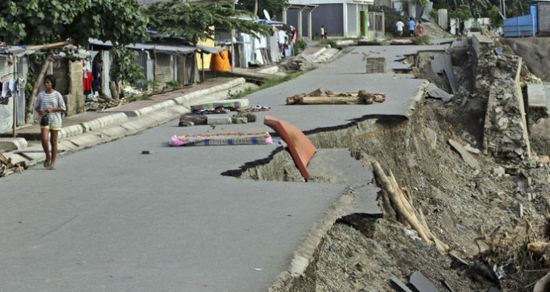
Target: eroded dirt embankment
x,y
487,216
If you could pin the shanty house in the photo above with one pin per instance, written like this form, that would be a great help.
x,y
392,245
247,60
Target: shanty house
x,y
341,18
161,63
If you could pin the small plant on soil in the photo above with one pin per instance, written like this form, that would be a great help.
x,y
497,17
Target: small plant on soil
x,y
423,40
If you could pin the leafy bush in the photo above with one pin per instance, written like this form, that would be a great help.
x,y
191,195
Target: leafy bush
x,y
463,12
424,40
494,15
173,84
125,67
299,46
332,43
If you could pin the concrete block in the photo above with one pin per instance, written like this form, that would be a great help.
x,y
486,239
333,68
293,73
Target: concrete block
x,y
443,18
36,156
85,140
376,64
537,95
105,121
145,123
16,158
67,146
150,109
215,120
71,131
9,144
163,116
115,132
131,126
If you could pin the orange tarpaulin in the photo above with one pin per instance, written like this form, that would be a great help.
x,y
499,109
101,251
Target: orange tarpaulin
x,y
220,62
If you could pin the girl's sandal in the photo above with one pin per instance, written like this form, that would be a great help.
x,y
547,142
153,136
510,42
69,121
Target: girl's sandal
x,y
46,163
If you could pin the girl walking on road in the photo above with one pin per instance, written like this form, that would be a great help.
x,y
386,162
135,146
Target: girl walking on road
x,y
50,105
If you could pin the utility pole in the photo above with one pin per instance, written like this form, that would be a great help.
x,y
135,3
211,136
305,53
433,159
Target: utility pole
x,y
233,42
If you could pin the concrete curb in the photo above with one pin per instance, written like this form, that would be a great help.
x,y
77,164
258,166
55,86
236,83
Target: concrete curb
x,y
105,121
150,109
10,144
102,122
193,97
118,125
71,131
215,92
318,53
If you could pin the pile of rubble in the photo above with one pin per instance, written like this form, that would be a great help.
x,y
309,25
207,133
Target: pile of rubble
x,y
102,104
7,167
506,136
298,63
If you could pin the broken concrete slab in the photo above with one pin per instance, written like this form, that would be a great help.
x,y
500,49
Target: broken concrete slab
x,y
399,284
9,144
376,63
442,64
539,96
435,92
421,283
466,156
86,140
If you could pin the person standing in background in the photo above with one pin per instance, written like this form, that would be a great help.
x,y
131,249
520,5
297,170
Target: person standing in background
x,y
50,105
399,26
323,32
420,29
412,26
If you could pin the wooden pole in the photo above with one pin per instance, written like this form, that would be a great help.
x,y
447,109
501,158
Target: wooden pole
x,y
35,88
202,65
48,46
155,70
14,98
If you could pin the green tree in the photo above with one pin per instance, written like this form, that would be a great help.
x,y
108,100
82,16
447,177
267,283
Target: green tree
x,y
44,21
463,12
494,15
274,7
198,22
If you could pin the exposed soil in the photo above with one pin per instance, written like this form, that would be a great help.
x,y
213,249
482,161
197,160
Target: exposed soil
x,y
476,213
487,216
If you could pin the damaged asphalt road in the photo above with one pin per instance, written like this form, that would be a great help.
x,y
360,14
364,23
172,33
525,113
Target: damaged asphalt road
x,y
171,220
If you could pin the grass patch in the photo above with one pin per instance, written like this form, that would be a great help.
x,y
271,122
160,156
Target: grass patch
x,y
139,97
424,40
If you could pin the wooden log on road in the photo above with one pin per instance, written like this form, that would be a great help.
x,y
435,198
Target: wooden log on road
x,y
352,98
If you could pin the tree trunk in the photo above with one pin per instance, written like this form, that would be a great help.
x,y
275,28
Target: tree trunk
x,y
114,90
256,7
29,117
